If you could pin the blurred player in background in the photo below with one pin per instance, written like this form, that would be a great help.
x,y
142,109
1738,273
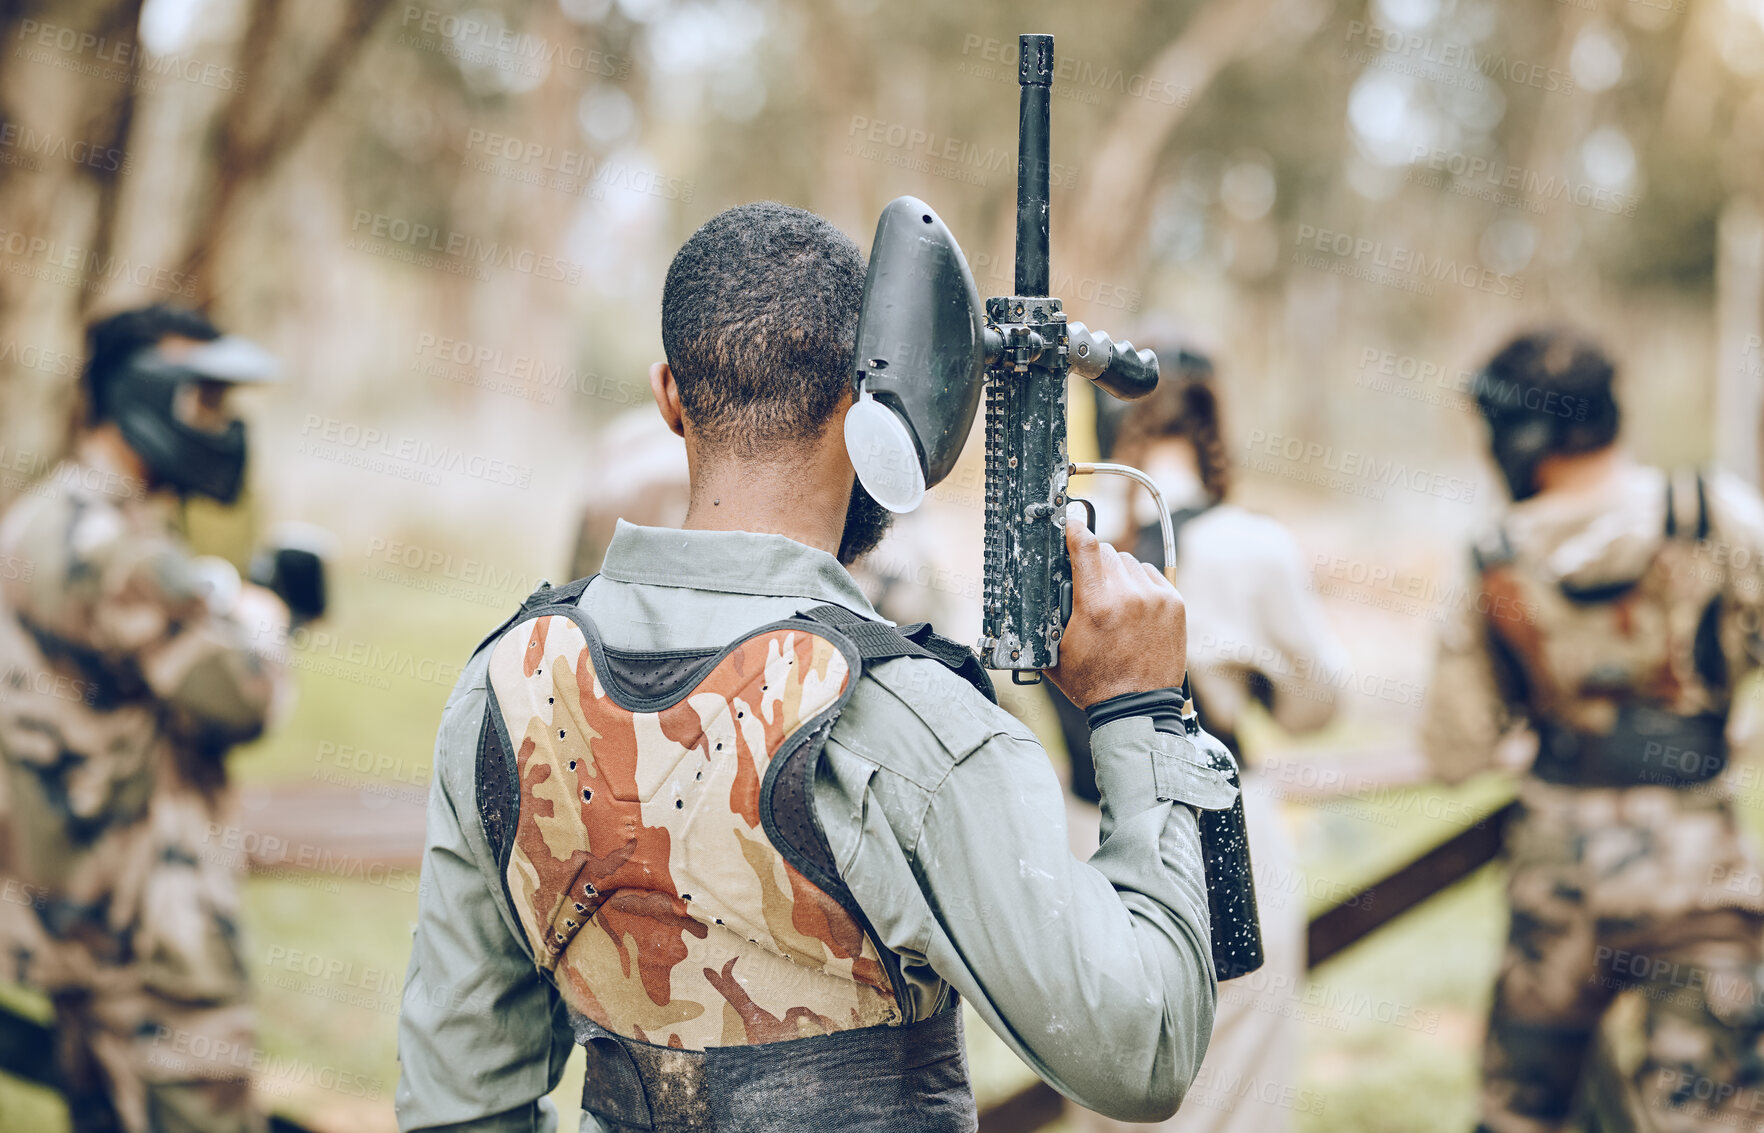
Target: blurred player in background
x,y
130,668
638,473
1255,632
1618,607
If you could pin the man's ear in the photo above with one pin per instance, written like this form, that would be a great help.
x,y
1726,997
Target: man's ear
x,y
667,397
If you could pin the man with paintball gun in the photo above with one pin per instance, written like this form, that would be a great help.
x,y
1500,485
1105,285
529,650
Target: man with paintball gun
x,y
708,816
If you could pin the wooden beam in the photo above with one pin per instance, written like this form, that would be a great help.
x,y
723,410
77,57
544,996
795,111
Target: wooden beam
x,y
1369,909
1035,1106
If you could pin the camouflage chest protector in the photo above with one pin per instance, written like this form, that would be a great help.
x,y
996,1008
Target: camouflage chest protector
x,y
1627,683
652,821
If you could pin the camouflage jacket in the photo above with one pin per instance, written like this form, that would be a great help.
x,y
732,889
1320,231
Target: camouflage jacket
x,y
946,821
117,675
1584,601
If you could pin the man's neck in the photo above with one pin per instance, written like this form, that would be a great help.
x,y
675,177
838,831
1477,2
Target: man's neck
x,y
1582,473
103,447
771,499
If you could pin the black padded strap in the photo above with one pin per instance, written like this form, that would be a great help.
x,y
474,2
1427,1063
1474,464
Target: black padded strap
x,y
1496,549
546,595
498,804
879,641
1676,529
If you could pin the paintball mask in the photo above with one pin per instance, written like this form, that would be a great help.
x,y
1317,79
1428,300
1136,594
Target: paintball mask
x,y
1519,440
166,406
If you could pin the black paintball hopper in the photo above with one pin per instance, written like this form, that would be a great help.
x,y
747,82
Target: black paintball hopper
x,y
920,358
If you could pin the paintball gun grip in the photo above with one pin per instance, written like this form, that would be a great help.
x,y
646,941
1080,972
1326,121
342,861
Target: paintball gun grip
x,y
1124,372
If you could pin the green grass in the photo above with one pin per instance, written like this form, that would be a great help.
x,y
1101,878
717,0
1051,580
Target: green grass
x,y
1406,1058
372,679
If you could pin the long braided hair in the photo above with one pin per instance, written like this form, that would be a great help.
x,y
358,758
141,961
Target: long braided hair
x,y
1185,404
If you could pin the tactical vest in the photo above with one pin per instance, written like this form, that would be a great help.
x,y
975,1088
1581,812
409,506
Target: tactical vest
x,y
1626,684
652,821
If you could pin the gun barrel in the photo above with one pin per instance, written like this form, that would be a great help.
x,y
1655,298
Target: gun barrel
x,y
1035,77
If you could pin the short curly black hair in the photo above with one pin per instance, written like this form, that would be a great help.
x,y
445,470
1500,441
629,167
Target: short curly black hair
x,y
759,319
112,340
1555,374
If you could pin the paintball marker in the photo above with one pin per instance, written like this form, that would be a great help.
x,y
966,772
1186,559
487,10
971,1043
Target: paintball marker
x,y
925,348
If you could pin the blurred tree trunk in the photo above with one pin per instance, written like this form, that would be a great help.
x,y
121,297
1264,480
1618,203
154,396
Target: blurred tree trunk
x,y
1739,347
65,116
266,121
1097,238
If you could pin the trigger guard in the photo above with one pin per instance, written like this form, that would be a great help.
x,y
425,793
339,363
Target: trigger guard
x,y
1089,511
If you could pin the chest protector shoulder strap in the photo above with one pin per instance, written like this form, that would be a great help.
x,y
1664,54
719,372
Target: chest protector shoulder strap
x,y
652,820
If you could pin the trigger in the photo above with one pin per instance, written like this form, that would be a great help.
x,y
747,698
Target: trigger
x,y
1089,512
